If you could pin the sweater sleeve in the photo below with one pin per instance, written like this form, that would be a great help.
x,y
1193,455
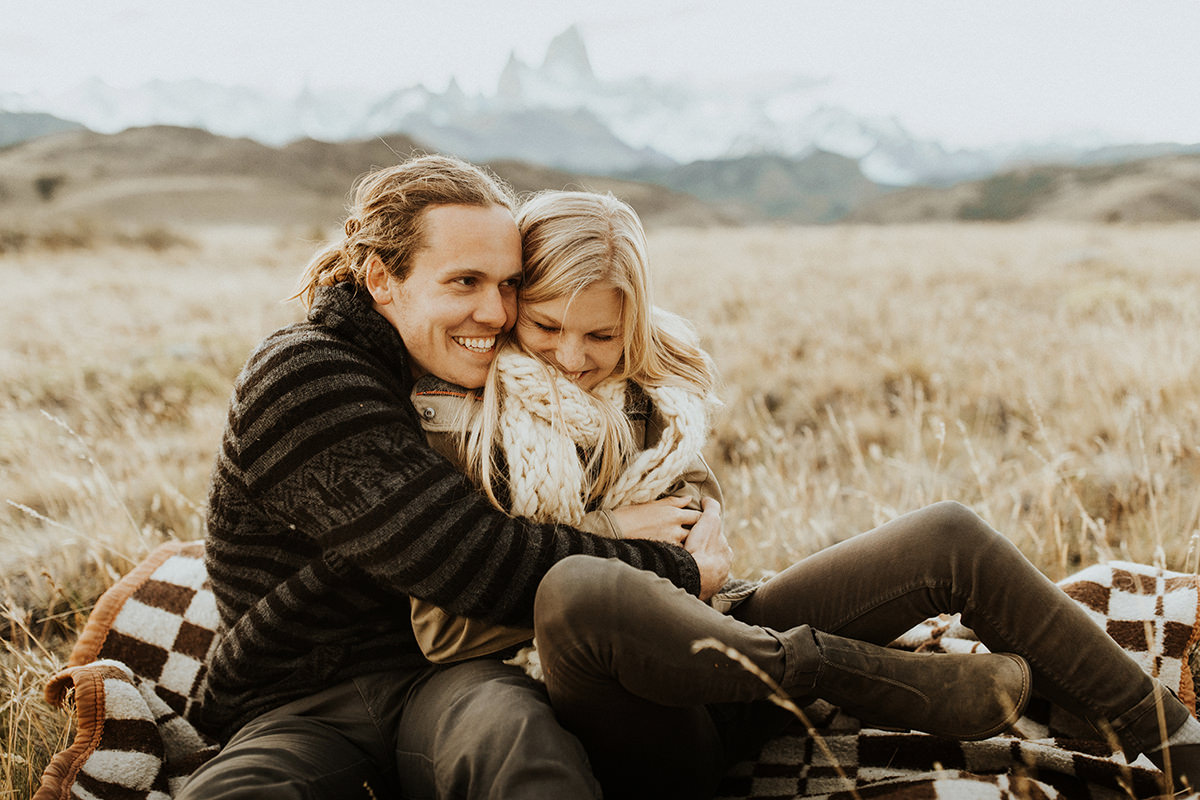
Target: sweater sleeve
x,y
334,452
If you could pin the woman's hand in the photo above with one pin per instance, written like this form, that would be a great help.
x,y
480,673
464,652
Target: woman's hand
x,y
664,520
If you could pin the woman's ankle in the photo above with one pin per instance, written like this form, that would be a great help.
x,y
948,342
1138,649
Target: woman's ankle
x,y
1187,733
1148,726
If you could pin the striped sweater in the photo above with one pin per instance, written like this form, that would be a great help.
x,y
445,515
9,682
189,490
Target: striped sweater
x,y
328,511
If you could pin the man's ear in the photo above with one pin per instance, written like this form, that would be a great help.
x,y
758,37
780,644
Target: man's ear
x,y
379,282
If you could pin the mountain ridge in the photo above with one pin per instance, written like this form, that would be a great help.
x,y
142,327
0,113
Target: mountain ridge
x,y
1164,188
175,175
20,126
822,187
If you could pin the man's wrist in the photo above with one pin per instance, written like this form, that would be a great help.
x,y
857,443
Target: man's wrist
x,y
690,577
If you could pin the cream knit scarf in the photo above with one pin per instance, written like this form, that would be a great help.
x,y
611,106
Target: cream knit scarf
x,y
539,437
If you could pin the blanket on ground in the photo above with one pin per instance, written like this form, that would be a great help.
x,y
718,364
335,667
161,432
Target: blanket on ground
x,y
133,682
136,676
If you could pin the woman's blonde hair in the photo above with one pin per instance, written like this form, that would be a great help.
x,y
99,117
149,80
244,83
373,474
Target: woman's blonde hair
x,y
572,241
387,213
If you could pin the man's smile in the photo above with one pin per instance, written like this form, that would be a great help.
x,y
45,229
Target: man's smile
x,y
477,344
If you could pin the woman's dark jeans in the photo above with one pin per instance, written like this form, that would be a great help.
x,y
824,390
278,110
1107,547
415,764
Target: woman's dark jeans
x,y
616,643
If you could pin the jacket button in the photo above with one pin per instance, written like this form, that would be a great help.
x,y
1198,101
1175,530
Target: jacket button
x,y
428,412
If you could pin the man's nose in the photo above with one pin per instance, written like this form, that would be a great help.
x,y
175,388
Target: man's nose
x,y
569,354
494,309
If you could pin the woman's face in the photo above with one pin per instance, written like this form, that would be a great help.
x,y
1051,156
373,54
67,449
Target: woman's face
x,y
580,334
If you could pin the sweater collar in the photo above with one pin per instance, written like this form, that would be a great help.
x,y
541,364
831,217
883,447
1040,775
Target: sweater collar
x,y
348,311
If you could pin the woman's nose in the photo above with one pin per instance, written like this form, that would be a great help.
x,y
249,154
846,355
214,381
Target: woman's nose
x,y
569,355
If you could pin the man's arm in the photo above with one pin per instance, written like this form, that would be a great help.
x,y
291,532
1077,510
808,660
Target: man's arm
x,y
348,468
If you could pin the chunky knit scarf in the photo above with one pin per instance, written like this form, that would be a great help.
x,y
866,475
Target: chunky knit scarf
x,y
545,420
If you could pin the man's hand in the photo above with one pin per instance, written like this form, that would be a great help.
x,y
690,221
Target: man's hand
x,y
663,520
708,546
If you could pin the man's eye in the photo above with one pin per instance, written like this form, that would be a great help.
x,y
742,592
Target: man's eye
x,y
511,283
466,280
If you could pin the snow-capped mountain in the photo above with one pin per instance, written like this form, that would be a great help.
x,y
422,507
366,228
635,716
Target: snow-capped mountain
x,y
558,113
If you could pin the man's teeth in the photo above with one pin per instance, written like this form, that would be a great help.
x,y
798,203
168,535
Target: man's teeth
x,y
477,345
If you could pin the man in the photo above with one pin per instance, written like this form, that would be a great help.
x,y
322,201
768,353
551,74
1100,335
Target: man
x,y
328,510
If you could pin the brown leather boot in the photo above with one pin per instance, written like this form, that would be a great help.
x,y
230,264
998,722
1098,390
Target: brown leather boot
x,y
959,696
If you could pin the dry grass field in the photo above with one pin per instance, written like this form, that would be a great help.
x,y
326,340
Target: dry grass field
x,y
1044,374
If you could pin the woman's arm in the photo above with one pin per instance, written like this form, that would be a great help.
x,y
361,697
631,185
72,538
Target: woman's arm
x,y
667,519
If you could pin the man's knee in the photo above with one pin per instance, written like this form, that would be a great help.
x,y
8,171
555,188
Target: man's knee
x,y
473,712
285,764
504,728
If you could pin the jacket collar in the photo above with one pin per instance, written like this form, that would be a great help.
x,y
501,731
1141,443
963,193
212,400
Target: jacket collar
x,y
348,311
441,405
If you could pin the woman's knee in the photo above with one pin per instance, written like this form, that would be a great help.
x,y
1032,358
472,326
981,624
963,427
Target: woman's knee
x,y
950,525
586,604
576,589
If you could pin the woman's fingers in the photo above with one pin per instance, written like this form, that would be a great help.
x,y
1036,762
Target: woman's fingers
x,y
667,519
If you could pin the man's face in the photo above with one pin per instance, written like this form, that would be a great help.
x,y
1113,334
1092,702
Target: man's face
x,y
460,294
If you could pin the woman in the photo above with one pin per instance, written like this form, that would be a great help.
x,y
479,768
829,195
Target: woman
x,y
553,390
559,434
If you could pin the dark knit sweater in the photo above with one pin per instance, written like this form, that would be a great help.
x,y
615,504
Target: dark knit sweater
x,y
328,509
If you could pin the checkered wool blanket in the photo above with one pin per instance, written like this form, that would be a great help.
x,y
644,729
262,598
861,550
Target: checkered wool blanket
x,y
133,682
135,678
1050,753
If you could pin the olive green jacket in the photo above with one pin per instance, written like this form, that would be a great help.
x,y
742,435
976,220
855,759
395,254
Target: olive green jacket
x,y
443,409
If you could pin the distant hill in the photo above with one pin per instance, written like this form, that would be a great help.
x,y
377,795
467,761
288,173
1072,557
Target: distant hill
x,y
164,175
1162,189
821,187
20,126
169,175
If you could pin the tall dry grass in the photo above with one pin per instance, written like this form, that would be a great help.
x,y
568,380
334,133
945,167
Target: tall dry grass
x,y
1046,375
114,375
1043,374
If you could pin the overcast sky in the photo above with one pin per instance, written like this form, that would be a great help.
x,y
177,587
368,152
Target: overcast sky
x,y
965,72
